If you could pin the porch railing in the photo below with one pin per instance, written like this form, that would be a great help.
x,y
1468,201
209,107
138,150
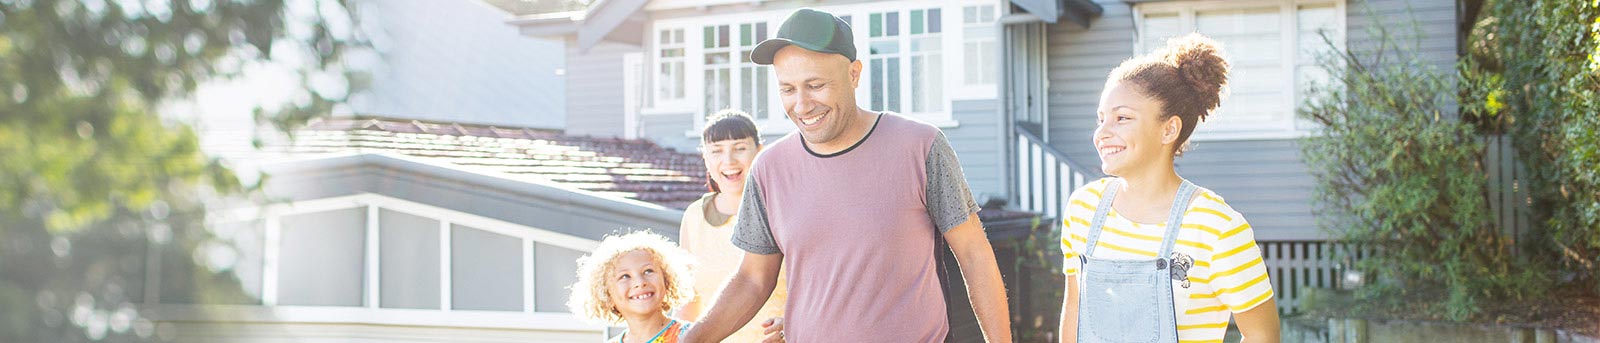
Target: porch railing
x,y
1045,177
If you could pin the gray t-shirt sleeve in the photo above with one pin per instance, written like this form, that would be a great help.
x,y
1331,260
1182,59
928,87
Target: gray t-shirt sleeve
x,y
949,199
752,233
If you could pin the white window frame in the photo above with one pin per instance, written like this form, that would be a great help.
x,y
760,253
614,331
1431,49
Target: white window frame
x,y
657,101
1288,9
977,91
371,308
952,41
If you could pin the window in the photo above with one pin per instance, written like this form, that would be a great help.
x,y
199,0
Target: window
x,y
1283,40
485,270
743,85
669,65
913,45
322,263
883,60
408,261
754,79
554,270
911,64
980,48
927,84
418,257
718,67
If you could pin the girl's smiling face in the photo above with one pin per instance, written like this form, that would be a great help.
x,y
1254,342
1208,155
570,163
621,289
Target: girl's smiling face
x,y
637,285
1131,134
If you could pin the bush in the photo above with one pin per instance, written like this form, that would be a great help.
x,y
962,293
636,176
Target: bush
x,y
1400,175
1533,70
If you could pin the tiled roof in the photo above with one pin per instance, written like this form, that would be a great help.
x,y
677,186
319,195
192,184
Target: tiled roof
x,y
630,168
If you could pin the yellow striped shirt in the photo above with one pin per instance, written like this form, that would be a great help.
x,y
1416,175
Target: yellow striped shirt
x,y
1228,274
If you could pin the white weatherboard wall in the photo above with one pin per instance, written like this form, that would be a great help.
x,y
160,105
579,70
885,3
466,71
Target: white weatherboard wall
x,y
455,61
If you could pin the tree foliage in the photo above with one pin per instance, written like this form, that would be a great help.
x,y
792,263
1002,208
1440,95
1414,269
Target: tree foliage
x,y
96,185
1401,168
1533,71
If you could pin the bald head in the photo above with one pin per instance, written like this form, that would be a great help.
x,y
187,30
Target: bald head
x,y
819,92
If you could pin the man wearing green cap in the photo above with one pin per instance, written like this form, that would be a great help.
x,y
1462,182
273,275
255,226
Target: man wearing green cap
x,y
852,206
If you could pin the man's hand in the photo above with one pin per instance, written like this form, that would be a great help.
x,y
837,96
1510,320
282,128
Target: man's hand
x,y
984,287
739,299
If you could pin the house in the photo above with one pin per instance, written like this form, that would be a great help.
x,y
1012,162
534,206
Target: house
x,y
408,231
1013,84
450,206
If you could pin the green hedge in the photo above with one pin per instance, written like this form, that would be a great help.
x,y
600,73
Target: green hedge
x,y
1401,170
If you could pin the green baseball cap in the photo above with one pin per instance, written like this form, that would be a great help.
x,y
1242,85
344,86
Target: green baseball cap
x,y
810,29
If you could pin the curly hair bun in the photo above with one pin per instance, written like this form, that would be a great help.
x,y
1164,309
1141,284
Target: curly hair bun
x,y
1201,66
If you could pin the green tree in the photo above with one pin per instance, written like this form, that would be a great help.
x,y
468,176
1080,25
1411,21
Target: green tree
x,y
1399,174
1533,71
92,175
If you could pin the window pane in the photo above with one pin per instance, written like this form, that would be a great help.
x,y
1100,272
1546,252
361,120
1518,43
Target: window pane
x,y
321,257
876,24
1251,29
891,24
249,240
877,84
408,260
892,79
884,47
916,21
919,84
1257,80
722,36
763,91
710,37
485,270
745,36
1315,22
677,80
934,21
554,269
1157,29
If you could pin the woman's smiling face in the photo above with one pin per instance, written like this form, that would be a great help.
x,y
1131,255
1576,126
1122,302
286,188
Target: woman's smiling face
x,y
728,161
1131,134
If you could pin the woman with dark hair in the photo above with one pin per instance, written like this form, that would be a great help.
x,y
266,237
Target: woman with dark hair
x,y
1151,257
729,144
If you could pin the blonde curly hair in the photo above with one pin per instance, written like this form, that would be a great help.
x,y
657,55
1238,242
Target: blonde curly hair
x,y
589,299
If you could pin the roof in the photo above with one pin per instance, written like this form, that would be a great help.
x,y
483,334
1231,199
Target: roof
x,y
620,168
625,168
504,197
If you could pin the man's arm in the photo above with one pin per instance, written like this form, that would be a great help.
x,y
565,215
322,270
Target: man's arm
x,y
988,294
740,299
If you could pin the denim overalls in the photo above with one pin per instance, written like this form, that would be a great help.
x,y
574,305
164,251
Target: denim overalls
x,y
1129,300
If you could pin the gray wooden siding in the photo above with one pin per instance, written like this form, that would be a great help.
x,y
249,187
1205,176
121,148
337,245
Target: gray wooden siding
x,y
1266,180
595,89
458,62
670,130
978,143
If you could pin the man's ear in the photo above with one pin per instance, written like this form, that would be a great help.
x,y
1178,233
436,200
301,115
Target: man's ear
x,y
855,74
1171,129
